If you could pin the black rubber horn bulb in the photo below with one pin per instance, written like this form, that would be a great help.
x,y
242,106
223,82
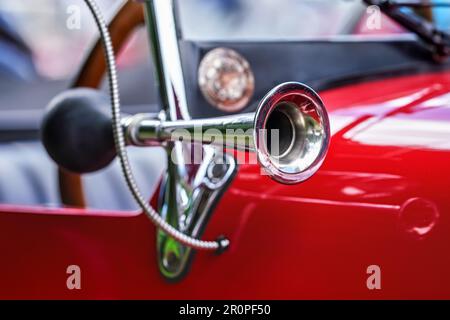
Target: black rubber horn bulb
x,y
77,130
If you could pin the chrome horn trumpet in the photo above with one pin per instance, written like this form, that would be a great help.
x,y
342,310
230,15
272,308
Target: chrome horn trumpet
x,y
295,113
289,131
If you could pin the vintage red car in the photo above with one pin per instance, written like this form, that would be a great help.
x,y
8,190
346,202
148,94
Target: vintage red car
x,y
309,165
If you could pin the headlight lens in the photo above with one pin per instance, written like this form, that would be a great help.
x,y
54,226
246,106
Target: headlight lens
x,y
226,79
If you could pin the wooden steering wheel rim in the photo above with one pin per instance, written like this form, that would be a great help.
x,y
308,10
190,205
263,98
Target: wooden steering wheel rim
x,y
128,18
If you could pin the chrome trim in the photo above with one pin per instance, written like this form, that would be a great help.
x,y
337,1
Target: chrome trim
x,y
196,202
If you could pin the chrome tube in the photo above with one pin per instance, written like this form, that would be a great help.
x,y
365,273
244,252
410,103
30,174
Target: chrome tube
x,y
237,131
162,31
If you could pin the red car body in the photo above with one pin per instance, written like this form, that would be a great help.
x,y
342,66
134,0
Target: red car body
x,y
380,198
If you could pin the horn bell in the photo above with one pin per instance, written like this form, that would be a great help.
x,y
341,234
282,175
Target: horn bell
x,y
291,132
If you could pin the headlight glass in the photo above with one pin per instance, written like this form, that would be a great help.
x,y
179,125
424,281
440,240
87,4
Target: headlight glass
x,y
226,79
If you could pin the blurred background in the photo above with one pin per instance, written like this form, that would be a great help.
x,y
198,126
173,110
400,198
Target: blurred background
x,y
40,53
42,44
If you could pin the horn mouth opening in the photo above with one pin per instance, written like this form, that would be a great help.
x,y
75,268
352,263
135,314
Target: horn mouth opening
x,y
291,133
284,127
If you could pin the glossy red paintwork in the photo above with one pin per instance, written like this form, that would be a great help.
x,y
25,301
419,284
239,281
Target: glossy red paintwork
x,y
381,197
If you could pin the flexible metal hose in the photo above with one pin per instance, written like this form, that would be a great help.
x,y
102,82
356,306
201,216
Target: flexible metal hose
x,y
121,148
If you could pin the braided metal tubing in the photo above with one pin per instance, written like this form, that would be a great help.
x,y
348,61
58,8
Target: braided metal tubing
x,y
119,141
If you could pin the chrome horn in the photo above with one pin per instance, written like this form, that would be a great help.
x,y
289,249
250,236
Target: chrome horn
x,y
290,132
295,113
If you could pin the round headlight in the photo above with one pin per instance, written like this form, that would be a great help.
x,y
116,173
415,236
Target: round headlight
x,y
226,79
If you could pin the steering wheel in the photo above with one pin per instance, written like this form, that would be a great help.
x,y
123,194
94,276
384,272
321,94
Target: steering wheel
x,y
129,17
